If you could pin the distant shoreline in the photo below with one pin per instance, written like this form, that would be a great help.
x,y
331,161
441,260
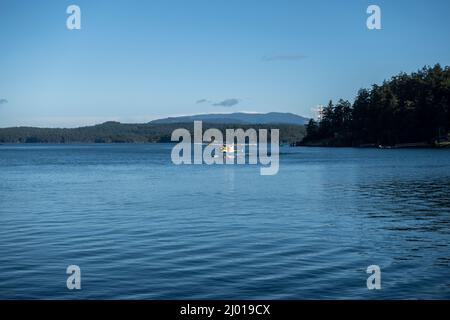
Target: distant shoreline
x,y
417,145
115,132
292,145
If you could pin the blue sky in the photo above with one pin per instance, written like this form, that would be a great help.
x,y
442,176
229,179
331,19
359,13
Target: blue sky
x,y
133,61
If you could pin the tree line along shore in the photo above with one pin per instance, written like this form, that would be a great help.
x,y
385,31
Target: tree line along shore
x,y
408,110
115,132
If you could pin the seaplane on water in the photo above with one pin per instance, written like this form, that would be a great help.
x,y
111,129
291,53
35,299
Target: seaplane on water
x,y
230,150
234,150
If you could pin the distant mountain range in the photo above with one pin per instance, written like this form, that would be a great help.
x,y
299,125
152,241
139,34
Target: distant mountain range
x,y
238,118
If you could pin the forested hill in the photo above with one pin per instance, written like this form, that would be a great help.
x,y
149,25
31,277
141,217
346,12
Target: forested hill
x,y
407,109
115,132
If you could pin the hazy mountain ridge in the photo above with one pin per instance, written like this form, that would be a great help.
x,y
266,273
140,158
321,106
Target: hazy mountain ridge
x,y
238,117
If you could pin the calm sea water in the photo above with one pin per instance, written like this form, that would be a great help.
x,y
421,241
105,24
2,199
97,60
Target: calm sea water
x,y
142,228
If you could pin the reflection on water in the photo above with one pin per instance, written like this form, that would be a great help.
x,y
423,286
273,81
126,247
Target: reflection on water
x,y
140,227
